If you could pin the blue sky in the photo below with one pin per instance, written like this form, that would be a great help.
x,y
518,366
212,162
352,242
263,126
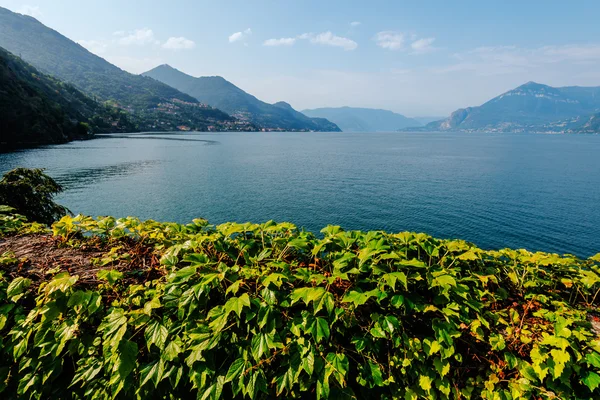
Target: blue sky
x,y
418,58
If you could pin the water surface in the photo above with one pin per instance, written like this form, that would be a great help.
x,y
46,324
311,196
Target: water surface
x,y
539,192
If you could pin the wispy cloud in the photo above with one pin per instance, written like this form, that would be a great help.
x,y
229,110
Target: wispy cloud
x,y
329,39
422,46
354,24
240,36
394,40
279,42
391,40
32,11
178,43
504,60
138,37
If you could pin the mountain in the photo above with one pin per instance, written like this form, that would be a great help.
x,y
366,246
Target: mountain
x,y
427,120
38,109
351,119
591,125
155,105
222,94
530,107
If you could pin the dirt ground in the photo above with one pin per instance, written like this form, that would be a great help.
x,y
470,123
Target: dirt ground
x,y
38,255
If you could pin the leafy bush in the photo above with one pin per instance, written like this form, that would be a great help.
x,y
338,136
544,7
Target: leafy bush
x,y
30,192
265,311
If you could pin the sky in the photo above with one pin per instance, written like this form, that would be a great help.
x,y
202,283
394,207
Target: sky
x,y
418,58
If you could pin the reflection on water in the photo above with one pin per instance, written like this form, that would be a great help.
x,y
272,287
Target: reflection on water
x,y
151,136
83,177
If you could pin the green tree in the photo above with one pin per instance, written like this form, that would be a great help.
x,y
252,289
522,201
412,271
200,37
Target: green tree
x,y
31,193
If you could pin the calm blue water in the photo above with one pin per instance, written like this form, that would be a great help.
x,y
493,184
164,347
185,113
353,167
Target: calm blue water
x,y
540,192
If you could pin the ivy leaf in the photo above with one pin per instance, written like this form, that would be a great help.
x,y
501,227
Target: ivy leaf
x,y
156,334
307,294
425,382
446,281
497,342
237,304
110,275
591,380
17,287
359,298
393,277
321,329
172,350
61,282
337,365
560,358
127,360
259,346
235,369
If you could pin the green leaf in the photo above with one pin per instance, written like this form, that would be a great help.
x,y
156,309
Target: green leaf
x,y
156,334
307,294
321,329
497,342
259,346
359,298
237,304
127,360
445,281
560,358
235,369
110,275
16,288
172,350
61,282
337,365
425,382
393,277
591,380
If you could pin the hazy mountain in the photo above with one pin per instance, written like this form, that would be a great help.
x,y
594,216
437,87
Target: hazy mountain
x,y
426,120
351,119
532,106
590,125
38,109
157,105
222,94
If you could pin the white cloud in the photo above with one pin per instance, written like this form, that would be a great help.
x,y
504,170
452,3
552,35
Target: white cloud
x,y
280,42
95,46
390,40
355,23
32,11
138,37
240,36
422,46
329,39
178,43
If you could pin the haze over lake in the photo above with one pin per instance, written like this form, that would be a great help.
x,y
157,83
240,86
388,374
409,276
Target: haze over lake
x,y
539,192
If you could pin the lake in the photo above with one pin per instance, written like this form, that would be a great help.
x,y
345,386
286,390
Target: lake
x,y
539,192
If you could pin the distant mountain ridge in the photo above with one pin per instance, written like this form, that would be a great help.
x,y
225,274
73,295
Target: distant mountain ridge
x,y
224,95
353,119
38,109
529,107
156,106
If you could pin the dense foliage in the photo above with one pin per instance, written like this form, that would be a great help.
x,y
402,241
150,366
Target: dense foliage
x,y
265,311
37,109
224,95
31,193
56,55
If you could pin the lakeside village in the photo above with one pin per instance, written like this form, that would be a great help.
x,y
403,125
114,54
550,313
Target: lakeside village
x,y
241,121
